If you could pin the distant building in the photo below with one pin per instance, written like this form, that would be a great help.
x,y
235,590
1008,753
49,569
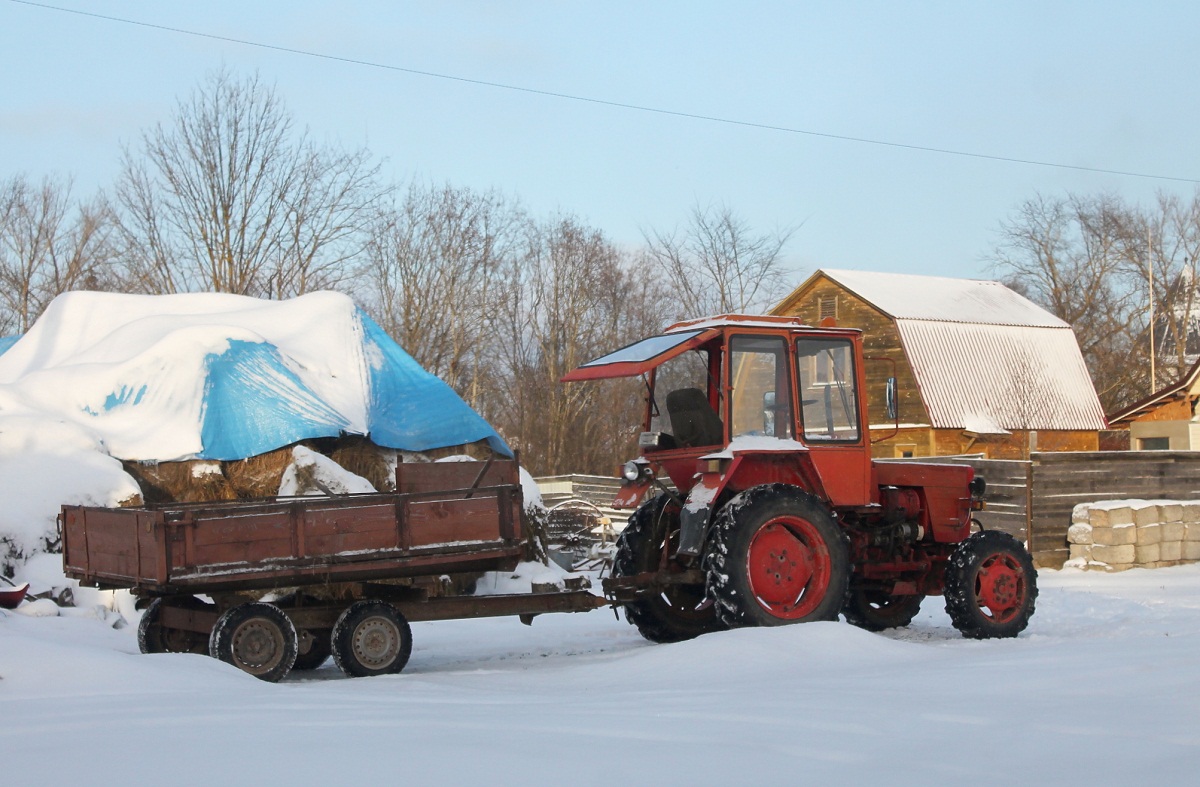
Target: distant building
x,y
1166,420
980,369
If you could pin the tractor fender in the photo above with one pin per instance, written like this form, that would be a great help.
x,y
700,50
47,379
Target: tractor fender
x,y
737,471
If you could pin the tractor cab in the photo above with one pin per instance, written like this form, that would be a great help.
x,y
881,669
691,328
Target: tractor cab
x,y
732,385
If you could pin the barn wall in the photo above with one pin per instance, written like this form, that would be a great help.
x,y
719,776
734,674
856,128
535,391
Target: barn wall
x,y
880,340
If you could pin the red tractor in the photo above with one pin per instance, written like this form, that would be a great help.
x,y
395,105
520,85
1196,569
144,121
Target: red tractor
x,y
769,507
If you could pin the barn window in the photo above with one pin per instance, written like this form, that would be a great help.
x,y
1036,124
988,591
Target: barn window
x,y
827,307
1155,443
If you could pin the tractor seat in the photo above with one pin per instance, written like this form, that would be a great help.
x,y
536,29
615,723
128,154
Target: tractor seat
x,y
693,419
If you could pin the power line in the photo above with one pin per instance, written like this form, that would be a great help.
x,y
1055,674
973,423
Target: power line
x,y
605,102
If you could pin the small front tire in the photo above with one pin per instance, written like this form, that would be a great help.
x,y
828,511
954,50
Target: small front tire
x,y
991,586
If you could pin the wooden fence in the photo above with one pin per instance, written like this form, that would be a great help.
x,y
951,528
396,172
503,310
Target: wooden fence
x,y
1033,500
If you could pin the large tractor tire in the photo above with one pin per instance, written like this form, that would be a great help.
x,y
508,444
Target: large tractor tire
x,y
875,610
678,612
991,586
776,557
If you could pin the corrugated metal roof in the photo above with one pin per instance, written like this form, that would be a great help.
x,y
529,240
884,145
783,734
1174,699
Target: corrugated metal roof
x,y
909,297
1013,376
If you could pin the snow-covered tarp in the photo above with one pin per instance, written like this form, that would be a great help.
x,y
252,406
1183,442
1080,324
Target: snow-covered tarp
x,y
214,376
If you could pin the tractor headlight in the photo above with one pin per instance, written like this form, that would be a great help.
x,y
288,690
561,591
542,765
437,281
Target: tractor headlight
x,y
631,471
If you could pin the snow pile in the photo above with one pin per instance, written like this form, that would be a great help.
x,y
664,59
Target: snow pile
x,y
311,473
1115,535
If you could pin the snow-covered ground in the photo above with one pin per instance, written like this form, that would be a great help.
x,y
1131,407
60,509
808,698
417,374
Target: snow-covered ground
x,y
1103,688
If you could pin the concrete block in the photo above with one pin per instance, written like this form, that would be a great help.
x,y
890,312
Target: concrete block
x,y
1149,534
1081,552
1145,514
1170,550
1110,517
1147,553
1114,555
1191,550
1170,511
1191,531
1191,511
1171,531
1081,533
1114,536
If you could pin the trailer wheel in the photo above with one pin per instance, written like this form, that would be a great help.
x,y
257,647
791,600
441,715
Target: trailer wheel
x,y
678,612
874,610
153,637
776,556
258,638
371,637
991,586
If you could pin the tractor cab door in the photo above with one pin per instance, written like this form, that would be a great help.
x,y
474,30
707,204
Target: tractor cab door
x,y
831,417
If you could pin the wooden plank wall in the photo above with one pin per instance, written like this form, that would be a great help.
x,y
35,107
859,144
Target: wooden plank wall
x,y
1060,481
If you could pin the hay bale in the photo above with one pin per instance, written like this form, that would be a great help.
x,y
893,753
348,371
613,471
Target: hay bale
x,y
1191,532
1114,555
1102,516
1170,550
1149,534
1147,553
258,476
1114,536
1191,550
1191,511
1079,533
363,458
190,481
1171,531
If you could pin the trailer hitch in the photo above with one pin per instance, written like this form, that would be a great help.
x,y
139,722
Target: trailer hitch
x,y
621,590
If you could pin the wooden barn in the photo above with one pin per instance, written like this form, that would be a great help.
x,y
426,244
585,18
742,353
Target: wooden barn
x,y
1166,420
980,369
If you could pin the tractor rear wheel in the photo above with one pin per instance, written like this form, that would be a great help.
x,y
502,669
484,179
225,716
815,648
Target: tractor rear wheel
x,y
874,610
991,586
678,612
776,556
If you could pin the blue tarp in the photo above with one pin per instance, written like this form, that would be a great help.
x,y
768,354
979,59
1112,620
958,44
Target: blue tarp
x,y
253,403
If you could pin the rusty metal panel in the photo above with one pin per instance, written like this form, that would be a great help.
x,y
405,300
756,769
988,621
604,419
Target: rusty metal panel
x,y
432,522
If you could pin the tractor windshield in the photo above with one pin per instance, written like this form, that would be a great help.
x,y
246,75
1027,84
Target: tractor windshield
x,y
641,357
828,397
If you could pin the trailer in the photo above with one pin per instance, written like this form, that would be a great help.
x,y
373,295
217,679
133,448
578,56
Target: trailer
x,y
279,584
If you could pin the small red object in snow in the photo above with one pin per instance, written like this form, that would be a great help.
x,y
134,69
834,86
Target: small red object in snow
x,y
11,597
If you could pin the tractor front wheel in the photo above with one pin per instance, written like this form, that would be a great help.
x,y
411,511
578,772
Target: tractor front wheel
x,y
775,557
676,612
991,586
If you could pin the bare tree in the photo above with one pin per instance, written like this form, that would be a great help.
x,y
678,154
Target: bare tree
x,y
49,245
717,264
571,297
229,197
433,265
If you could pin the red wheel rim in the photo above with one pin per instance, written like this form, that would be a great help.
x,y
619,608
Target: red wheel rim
x,y
1000,587
789,566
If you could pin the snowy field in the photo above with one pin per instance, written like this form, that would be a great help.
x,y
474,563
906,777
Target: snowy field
x,y
1103,688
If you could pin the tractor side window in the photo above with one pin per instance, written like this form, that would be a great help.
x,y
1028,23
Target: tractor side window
x,y
828,397
762,394
689,370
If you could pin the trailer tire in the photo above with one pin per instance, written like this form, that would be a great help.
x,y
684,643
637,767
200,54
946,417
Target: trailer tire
x,y
153,637
991,586
371,637
677,613
776,557
874,610
257,638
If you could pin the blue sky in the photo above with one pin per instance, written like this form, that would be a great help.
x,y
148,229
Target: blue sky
x,y
1096,84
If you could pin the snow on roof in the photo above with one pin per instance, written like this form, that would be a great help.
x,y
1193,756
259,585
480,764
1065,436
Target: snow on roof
x,y
910,297
225,376
1004,376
